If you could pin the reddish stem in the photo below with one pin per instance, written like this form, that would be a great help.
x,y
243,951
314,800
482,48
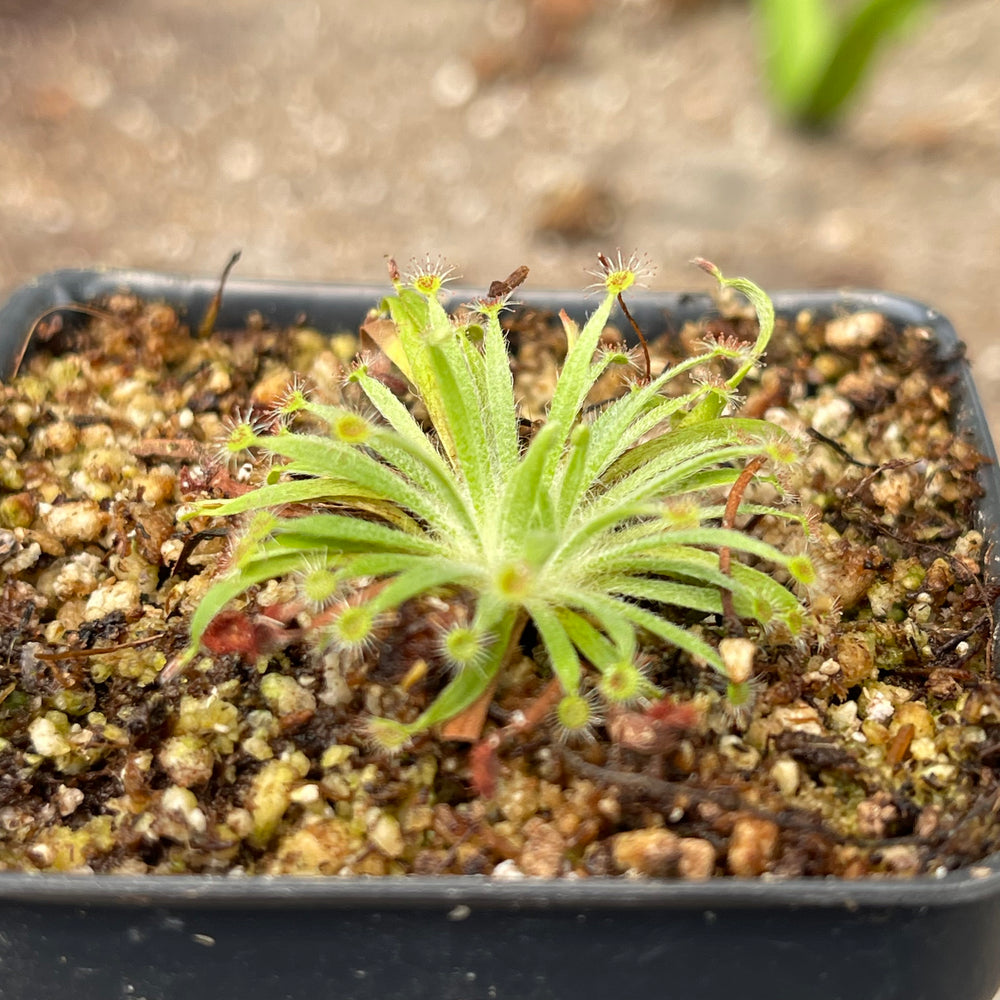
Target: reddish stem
x,y
733,502
642,340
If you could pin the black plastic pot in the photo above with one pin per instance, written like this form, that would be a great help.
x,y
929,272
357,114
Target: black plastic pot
x,y
472,938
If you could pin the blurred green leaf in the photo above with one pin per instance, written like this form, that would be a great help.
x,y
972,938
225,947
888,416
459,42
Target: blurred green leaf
x,y
871,26
815,59
797,37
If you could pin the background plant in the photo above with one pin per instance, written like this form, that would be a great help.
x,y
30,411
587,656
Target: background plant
x,y
816,55
584,531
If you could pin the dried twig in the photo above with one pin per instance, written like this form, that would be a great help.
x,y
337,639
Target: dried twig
x,y
82,654
76,307
733,501
207,327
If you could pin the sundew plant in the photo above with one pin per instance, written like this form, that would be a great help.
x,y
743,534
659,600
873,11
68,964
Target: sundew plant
x,y
606,530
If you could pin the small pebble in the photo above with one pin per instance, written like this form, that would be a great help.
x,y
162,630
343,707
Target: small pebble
x,y
855,332
752,845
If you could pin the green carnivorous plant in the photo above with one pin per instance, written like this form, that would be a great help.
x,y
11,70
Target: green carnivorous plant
x,y
603,530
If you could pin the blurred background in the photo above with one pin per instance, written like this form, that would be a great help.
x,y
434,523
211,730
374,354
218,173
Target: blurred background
x,y
319,135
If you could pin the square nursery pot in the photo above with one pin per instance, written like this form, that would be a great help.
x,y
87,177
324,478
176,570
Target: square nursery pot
x,y
92,937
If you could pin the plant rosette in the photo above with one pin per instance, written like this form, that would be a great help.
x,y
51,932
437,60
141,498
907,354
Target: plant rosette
x,y
483,590
570,532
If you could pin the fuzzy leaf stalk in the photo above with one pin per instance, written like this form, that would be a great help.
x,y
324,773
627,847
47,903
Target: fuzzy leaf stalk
x,y
605,532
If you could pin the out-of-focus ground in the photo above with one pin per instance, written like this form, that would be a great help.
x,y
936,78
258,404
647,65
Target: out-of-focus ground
x,y
319,135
